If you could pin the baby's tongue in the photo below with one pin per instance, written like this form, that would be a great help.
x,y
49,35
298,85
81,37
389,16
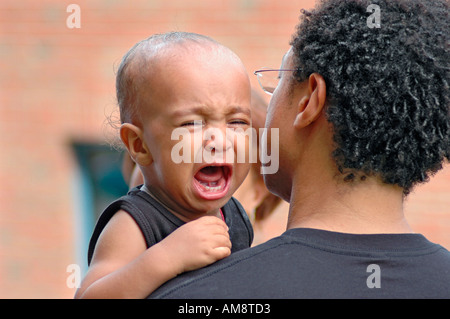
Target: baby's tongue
x,y
209,174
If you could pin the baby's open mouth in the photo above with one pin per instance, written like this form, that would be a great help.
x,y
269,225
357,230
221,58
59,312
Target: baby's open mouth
x,y
212,181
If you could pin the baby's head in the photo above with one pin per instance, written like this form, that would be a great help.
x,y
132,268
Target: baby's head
x,y
185,96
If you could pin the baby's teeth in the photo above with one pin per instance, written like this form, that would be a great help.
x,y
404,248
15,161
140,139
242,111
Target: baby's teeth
x,y
210,186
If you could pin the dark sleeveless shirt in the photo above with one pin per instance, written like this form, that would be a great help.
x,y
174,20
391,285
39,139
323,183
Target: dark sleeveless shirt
x,y
156,222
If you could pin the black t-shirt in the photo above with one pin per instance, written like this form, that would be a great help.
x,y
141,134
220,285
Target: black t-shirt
x,y
156,222
311,263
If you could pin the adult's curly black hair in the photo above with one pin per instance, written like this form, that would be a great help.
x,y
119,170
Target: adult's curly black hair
x,y
387,87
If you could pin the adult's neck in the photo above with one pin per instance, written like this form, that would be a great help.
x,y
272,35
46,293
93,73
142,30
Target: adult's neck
x,y
359,207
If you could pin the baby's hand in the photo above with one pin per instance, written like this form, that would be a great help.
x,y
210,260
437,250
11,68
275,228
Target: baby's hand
x,y
198,243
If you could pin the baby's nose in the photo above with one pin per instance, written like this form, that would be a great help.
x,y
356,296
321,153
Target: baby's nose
x,y
216,140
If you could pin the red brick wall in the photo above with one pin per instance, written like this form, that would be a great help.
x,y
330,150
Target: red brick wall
x,y
57,84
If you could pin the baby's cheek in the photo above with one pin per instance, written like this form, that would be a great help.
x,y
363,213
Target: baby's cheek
x,y
243,145
240,173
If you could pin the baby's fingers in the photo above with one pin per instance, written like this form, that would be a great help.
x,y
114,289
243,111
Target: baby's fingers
x,y
221,245
221,252
211,220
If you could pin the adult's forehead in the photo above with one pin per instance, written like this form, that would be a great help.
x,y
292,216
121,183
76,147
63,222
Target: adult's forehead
x,y
287,58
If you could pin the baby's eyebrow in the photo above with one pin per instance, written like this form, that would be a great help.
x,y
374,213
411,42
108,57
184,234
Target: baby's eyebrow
x,y
189,110
239,109
202,110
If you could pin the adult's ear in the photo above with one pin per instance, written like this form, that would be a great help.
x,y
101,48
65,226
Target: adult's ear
x,y
310,106
132,137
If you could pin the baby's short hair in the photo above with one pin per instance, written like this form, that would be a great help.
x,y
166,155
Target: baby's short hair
x,y
127,81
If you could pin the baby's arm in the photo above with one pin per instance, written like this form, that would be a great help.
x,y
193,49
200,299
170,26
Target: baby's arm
x,y
122,267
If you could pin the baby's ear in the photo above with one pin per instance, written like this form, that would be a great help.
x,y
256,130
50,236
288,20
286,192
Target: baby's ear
x,y
132,137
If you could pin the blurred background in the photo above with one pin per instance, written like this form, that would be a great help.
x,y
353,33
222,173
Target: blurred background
x,y
57,88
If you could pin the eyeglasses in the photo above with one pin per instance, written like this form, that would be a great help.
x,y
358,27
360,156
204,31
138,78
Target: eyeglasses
x,y
268,80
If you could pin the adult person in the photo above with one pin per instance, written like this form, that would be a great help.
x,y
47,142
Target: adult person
x,y
267,212
363,116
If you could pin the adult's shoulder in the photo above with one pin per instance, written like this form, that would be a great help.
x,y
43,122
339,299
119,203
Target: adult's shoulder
x,y
224,278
